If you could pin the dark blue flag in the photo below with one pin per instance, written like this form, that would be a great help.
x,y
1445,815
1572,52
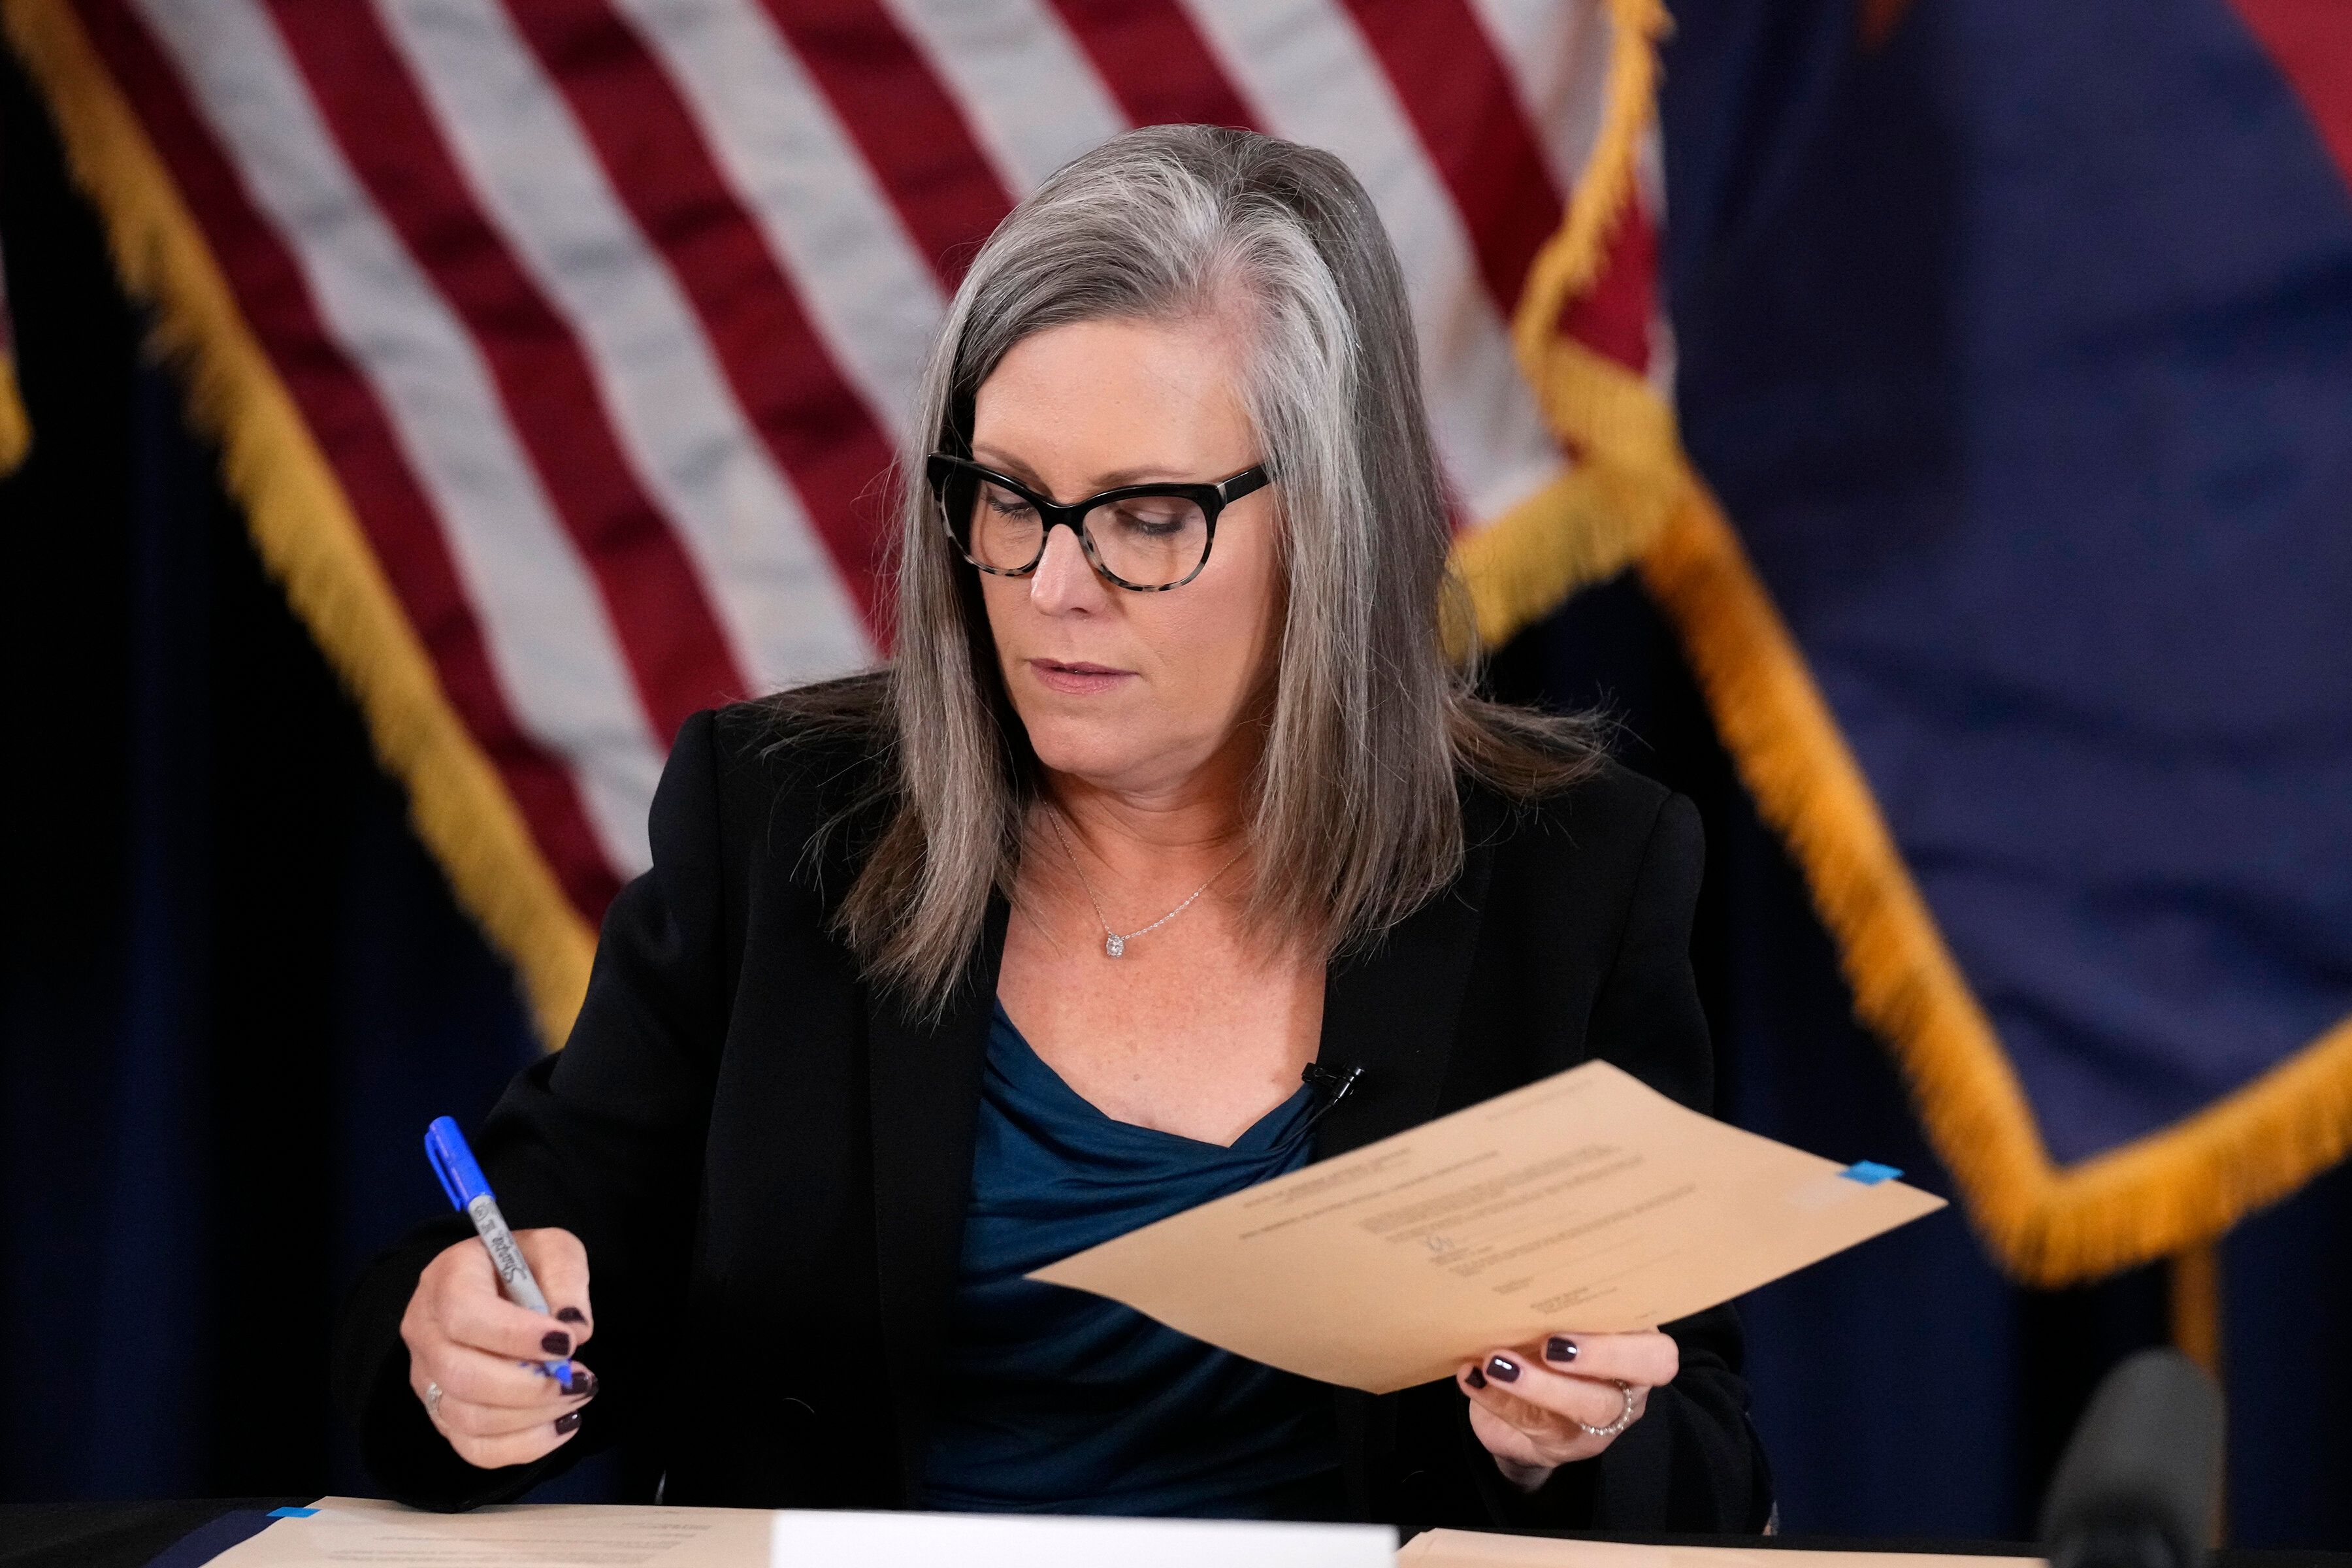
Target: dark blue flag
x,y
2032,622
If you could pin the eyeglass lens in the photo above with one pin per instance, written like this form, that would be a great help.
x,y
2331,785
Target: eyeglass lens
x,y
1150,541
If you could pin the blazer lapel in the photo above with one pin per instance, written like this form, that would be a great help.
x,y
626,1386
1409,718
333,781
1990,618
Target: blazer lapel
x,y
1392,1009
925,1097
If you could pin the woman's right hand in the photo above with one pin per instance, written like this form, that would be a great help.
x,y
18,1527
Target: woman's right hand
x,y
474,1357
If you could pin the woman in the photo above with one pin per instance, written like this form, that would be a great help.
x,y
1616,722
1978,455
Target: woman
x,y
1169,802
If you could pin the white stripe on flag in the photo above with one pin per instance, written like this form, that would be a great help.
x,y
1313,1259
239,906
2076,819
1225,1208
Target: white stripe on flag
x,y
826,218
1557,54
549,637
1032,95
1649,190
784,609
1306,69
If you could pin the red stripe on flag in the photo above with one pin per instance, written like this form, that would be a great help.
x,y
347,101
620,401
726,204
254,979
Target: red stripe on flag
x,y
1614,317
1459,97
1156,63
912,134
2311,41
817,426
342,413
668,632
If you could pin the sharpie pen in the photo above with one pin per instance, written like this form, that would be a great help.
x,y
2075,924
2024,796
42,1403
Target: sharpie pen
x,y
461,1178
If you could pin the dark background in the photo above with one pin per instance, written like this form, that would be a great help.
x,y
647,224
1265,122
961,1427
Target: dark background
x,y
233,988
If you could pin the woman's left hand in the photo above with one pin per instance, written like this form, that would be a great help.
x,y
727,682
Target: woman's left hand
x,y
1527,1402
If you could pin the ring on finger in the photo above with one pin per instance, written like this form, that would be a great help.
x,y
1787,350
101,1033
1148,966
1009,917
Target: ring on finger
x,y
433,1402
1625,1417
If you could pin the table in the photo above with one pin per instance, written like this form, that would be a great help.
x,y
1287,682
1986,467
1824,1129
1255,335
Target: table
x,y
109,1534
132,1534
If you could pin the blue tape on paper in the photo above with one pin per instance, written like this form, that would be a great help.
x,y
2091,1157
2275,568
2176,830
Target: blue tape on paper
x,y
1869,1173
292,1512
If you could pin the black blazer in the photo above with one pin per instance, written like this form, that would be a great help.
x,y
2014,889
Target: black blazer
x,y
769,1160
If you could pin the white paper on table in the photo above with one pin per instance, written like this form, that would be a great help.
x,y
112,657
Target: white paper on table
x,y
827,1539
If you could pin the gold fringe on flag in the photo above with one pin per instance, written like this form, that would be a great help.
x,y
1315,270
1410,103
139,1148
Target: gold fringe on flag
x,y
1633,499
1570,262
16,427
1596,519
302,523
2157,1195
2194,1304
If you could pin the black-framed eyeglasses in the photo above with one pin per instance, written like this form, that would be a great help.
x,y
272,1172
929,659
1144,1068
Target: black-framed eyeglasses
x,y
1145,539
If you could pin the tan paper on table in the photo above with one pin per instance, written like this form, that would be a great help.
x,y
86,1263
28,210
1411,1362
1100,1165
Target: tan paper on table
x,y
1587,1202
543,1535
1469,1549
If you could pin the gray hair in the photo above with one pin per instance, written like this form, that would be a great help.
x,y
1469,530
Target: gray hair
x,y
1355,795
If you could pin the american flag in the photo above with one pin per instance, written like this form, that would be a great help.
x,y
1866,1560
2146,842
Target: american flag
x,y
604,314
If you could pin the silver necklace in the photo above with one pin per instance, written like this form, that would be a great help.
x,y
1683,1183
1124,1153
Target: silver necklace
x,y
1114,944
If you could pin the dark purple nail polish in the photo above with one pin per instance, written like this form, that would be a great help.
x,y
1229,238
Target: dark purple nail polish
x,y
571,1315
583,1383
1559,1348
566,1421
1503,1368
1476,1379
555,1341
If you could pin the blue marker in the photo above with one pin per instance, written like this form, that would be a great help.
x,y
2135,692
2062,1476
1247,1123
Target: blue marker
x,y
461,1178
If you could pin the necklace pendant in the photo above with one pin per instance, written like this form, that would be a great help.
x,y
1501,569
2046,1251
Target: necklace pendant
x,y
1114,944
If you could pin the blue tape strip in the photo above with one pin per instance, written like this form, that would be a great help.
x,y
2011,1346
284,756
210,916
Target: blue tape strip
x,y
1869,1173
292,1512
